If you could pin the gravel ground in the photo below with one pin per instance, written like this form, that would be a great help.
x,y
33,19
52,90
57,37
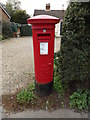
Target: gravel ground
x,y
18,65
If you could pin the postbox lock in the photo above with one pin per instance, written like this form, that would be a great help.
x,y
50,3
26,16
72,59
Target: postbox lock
x,y
49,64
44,30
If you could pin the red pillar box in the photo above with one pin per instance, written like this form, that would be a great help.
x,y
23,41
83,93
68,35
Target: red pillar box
x,y
43,29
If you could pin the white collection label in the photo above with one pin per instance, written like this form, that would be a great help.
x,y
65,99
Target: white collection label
x,y
44,48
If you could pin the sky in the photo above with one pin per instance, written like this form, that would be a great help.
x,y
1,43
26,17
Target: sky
x,y
31,5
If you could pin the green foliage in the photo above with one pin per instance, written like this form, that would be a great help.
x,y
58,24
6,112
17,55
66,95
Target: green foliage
x,y
75,41
17,14
56,64
9,8
80,99
14,26
12,6
16,4
31,87
58,86
20,17
6,29
26,95
1,37
5,36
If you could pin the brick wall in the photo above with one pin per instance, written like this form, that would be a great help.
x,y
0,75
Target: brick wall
x,y
0,14
0,21
3,16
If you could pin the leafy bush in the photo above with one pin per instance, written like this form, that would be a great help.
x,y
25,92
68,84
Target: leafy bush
x,y
20,16
80,99
58,86
56,64
26,95
74,54
5,36
14,27
6,29
1,37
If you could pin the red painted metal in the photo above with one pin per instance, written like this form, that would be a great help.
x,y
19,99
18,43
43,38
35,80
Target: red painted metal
x,y
43,29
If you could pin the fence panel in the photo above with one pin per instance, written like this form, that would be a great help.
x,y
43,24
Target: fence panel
x,y
26,30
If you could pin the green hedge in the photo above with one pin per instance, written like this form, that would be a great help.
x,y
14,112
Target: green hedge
x,y
15,26
75,43
6,29
1,37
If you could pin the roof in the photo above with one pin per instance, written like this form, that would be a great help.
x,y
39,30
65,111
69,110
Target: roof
x,y
43,19
5,11
56,13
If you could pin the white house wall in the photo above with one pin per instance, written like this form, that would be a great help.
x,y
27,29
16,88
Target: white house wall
x,y
57,29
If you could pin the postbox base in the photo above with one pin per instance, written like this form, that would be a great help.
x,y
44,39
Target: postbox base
x,y
43,89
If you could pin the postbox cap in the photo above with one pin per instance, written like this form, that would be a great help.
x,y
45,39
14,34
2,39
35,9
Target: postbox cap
x,y
43,19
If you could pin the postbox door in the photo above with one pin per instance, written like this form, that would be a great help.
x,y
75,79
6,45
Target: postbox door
x,y
44,67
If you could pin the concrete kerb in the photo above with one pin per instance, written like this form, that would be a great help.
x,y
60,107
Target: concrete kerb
x,y
61,113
